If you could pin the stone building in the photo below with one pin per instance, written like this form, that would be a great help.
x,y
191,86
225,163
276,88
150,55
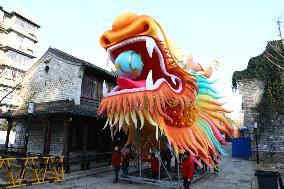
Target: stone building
x,y
252,93
17,39
66,92
252,85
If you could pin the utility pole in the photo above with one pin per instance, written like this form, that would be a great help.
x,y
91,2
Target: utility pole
x,y
280,34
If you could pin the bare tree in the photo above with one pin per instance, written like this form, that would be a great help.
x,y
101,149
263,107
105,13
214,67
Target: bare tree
x,y
279,51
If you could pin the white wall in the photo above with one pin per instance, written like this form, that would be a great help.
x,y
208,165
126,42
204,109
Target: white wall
x,y
3,137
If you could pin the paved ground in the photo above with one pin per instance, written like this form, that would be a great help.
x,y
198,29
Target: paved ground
x,y
235,173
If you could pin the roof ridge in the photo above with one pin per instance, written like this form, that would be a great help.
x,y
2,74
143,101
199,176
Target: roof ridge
x,y
78,60
62,52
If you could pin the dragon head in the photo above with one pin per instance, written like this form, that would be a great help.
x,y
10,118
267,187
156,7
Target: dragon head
x,y
138,35
154,91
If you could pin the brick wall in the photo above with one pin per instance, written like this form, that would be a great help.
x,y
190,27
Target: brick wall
x,y
271,136
57,134
36,137
62,81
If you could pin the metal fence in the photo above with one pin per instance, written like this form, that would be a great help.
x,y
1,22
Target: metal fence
x,y
18,172
83,159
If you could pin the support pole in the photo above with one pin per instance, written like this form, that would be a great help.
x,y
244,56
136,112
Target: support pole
x,y
178,170
256,141
138,143
160,159
140,166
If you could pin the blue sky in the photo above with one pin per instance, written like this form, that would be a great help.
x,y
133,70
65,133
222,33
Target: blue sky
x,y
230,31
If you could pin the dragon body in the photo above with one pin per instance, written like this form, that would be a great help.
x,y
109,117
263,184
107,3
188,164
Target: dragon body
x,y
158,93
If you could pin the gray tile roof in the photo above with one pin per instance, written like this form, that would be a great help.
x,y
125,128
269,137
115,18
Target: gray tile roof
x,y
63,107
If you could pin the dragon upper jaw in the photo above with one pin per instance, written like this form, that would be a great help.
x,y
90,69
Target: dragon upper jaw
x,y
150,85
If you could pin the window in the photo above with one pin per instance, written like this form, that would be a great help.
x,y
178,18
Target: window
x,y
25,25
20,41
12,55
90,87
14,74
11,74
20,38
16,57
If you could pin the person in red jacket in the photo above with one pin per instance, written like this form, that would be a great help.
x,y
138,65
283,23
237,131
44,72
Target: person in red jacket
x,y
154,165
187,170
115,161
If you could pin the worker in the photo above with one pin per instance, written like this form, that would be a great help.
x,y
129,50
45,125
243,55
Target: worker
x,y
115,161
154,165
187,170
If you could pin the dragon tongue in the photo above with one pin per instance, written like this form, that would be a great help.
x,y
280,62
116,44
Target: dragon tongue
x,y
125,83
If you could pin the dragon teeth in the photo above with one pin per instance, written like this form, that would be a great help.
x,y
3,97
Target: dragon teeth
x,y
173,78
108,58
149,81
150,44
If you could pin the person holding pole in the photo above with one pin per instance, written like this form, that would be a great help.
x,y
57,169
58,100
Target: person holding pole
x,y
154,165
187,170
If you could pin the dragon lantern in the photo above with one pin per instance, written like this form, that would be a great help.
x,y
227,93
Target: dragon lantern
x,y
156,92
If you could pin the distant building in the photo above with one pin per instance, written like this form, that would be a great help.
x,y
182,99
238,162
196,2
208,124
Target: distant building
x,y
17,39
66,92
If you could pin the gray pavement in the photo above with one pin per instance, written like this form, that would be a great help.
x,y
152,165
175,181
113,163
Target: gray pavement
x,y
235,173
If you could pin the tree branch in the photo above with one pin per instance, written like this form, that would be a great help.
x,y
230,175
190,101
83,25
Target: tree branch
x,y
274,63
276,50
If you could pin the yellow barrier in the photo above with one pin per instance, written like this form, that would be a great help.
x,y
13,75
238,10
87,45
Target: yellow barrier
x,y
42,169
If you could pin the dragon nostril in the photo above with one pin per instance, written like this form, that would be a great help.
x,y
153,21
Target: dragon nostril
x,y
107,41
146,27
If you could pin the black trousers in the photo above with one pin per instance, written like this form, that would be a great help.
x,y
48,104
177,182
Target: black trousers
x,y
186,183
116,171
